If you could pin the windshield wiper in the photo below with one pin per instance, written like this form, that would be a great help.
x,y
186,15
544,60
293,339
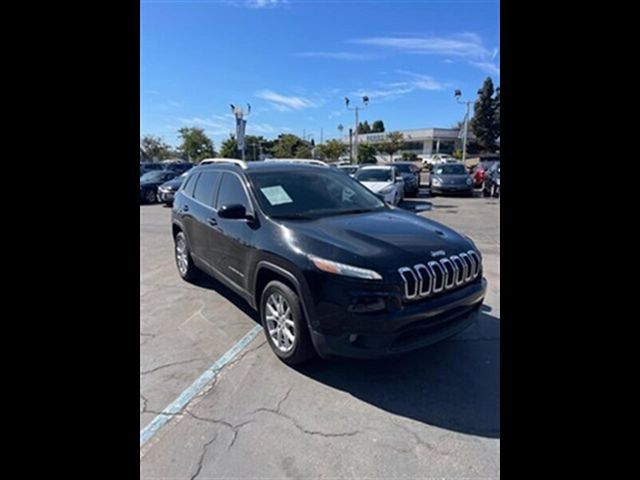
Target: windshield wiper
x,y
292,216
359,210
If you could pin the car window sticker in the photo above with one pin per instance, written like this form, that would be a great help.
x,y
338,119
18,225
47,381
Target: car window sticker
x,y
276,195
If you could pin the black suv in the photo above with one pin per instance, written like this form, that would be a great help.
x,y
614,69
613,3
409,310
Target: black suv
x,y
329,266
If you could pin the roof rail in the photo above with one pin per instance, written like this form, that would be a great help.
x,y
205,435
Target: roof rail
x,y
235,161
308,161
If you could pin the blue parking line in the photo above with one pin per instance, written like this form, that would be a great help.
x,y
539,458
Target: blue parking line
x,y
196,387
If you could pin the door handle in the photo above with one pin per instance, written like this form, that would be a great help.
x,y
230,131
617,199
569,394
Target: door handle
x,y
212,221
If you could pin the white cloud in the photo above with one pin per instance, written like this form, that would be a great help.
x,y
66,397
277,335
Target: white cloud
x,y
260,3
285,103
213,125
260,128
350,56
488,67
462,45
417,81
468,46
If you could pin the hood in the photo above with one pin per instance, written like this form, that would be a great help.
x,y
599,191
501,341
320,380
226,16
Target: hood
x,y
173,184
375,187
452,179
383,240
150,184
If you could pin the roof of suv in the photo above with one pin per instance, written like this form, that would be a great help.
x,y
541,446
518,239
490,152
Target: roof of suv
x,y
262,166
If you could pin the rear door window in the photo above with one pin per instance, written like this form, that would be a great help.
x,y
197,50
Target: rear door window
x,y
205,187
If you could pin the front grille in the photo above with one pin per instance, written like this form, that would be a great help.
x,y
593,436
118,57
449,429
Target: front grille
x,y
444,274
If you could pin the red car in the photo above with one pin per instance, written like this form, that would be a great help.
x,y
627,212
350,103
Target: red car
x,y
479,171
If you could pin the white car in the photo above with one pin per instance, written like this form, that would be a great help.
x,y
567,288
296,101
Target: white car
x,y
438,158
383,180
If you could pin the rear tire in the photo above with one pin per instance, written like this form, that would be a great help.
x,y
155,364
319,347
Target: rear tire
x,y
284,324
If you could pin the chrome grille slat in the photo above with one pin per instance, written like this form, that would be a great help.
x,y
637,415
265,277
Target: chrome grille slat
x,y
440,275
417,268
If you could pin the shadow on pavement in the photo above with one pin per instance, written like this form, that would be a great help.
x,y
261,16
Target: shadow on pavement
x,y
415,205
210,283
453,385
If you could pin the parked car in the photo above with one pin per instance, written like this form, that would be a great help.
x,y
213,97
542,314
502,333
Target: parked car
x,y
491,184
411,175
150,167
349,169
450,178
329,267
434,159
479,172
383,180
150,182
167,191
178,167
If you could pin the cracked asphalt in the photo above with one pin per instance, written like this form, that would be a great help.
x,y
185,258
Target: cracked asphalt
x,y
430,413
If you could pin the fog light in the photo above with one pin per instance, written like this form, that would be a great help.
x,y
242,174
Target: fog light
x,y
352,338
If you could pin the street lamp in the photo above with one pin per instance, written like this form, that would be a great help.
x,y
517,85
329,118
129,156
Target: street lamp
x,y
365,101
458,95
241,124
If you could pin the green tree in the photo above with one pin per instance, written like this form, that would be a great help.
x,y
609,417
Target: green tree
x,y
483,122
155,148
287,146
195,144
377,127
496,110
252,147
331,150
304,150
364,128
391,144
229,148
366,153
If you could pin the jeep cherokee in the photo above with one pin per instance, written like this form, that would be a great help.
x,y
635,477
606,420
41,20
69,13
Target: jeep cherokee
x,y
330,267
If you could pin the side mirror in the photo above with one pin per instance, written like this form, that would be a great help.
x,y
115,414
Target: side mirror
x,y
234,211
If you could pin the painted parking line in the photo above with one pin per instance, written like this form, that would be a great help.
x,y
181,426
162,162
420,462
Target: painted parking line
x,y
196,387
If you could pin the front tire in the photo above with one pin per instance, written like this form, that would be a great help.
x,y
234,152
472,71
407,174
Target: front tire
x,y
150,196
284,324
186,268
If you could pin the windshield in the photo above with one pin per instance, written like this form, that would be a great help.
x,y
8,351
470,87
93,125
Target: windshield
x,y
154,176
303,194
404,168
374,175
450,170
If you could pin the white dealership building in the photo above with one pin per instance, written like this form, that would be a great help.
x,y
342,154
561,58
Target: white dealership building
x,y
424,142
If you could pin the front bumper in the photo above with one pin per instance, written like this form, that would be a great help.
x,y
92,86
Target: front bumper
x,y
166,196
414,325
466,189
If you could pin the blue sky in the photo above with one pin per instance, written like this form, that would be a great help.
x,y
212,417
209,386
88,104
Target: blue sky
x,y
295,61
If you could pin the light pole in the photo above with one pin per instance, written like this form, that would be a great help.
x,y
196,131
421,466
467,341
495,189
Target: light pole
x,y
241,124
365,101
468,103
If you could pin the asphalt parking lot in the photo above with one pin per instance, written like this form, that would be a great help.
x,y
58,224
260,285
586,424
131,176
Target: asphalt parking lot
x,y
430,413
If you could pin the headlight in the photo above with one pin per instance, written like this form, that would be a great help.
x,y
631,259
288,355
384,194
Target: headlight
x,y
436,181
469,182
342,269
386,190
